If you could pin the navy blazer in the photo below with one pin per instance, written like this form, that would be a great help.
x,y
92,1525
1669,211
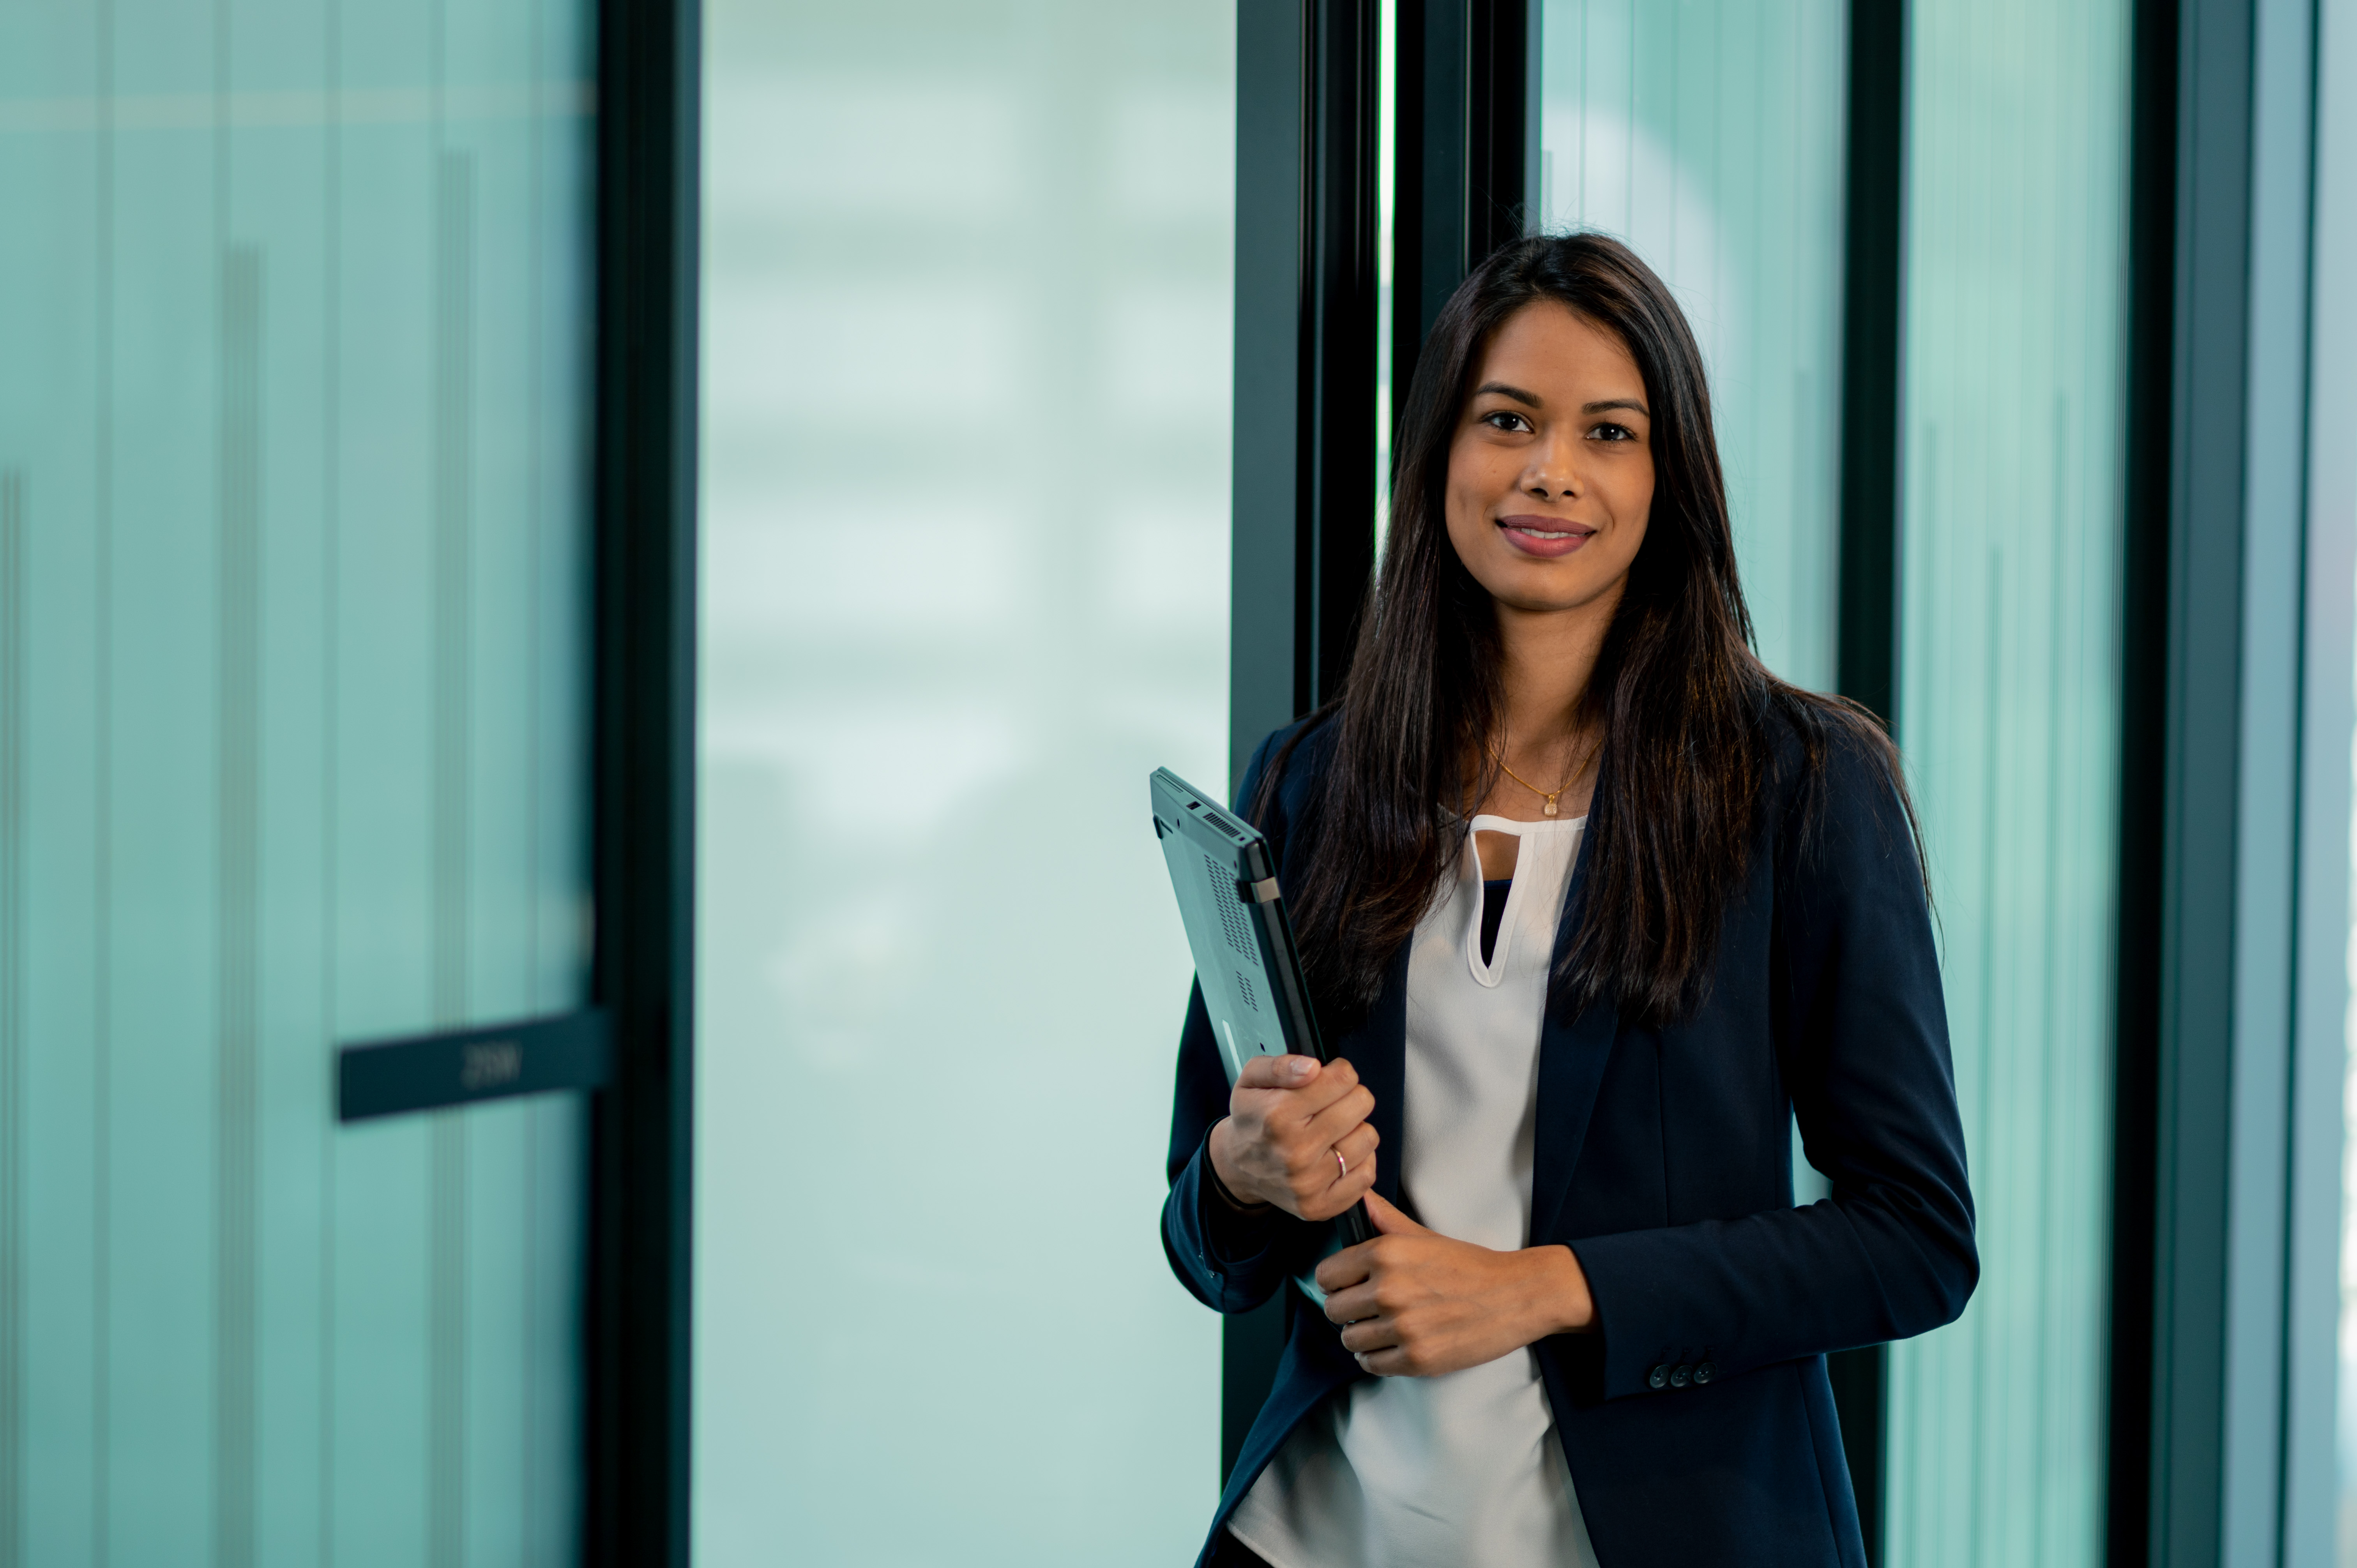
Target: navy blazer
x,y
1696,1417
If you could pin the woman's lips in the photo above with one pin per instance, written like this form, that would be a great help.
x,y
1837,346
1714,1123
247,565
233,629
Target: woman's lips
x,y
1544,536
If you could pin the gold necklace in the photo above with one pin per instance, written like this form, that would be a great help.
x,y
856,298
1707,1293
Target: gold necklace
x,y
1549,796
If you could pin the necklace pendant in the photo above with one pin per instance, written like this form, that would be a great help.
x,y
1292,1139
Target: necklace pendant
x,y
1550,805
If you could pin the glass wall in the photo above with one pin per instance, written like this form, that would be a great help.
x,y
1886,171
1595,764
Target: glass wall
x,y
1708,134
290,539
2333,732
966,584
2008,712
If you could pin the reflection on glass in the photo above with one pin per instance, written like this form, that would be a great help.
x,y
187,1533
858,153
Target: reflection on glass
x,y
966,408
1708,134
291,529
2009,712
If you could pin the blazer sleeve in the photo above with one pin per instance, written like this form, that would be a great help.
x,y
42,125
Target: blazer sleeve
x,y
1228,1261
1865,1047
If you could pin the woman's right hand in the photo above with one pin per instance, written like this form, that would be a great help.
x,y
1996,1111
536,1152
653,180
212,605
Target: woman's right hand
x,y
1288,1119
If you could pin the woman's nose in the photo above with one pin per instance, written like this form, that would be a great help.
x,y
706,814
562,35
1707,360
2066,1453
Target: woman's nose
x,y
1552,476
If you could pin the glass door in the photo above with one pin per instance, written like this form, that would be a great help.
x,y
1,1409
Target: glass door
x,y
966,467
292,526
2010,713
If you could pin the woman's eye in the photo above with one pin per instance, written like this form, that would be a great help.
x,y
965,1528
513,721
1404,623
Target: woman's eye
x,y
1611,433
1505,419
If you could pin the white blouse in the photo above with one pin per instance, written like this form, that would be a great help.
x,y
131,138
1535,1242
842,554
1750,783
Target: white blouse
x,y
1463,1470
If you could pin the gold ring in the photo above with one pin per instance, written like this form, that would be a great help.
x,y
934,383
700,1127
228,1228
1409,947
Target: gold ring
x,y
1343,1163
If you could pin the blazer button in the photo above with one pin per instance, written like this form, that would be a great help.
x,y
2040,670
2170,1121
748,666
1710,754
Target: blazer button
x,y
1657,1377
1704,1372
1679,1377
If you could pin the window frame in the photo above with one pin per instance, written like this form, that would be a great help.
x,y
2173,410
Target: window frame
x,y
637,1310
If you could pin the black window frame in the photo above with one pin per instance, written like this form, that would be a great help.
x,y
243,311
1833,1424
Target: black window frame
x,y
636,1367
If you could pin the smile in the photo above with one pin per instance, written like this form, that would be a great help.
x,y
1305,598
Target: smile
x,y
1544,536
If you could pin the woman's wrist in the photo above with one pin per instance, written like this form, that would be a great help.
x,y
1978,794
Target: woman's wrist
x,y
1563,1304
1221,1188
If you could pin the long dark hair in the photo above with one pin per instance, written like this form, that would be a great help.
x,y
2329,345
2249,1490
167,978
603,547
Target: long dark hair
x,y
1682,700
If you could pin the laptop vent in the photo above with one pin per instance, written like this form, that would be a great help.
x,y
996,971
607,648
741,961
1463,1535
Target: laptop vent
x,y
1243,983
1232,918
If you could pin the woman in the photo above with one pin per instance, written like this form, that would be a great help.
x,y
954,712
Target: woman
x,y
1593,906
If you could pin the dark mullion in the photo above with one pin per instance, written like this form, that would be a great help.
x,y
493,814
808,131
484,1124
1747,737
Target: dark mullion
x,y
636,1363
1428,176
1465,116
1338,434
1873,296
2144,714
1874,280
1502,124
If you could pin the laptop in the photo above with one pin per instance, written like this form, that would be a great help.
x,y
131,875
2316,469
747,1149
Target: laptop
x,y
1245,959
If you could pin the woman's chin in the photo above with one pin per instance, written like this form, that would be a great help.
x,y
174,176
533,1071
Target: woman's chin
x,y
1548,587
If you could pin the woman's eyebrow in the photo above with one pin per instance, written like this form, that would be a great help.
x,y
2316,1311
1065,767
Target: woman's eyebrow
x,y
1517,393
1532,400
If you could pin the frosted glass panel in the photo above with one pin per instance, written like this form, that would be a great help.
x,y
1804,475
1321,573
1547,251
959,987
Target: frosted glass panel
x,y
1708,134
291,660
2008,712
967,283
2332,521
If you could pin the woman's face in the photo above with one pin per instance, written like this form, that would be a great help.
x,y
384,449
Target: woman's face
x,y
1551,471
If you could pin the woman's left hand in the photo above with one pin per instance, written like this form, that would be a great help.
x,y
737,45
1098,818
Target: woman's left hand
x,y
1415,1303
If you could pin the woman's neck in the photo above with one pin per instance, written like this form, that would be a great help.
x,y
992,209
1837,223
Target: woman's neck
x,y
1546,743
1545,660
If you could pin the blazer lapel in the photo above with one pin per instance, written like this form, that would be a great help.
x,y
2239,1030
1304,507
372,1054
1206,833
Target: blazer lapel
x,y
1378,1049
1572,1054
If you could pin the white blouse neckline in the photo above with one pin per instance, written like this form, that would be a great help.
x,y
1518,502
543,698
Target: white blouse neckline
x,y
1490,972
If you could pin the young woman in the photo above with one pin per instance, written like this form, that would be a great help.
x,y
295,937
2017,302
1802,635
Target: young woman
x,y
1593,906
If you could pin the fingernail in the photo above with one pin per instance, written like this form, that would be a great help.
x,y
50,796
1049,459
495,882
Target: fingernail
x,y
1298,1068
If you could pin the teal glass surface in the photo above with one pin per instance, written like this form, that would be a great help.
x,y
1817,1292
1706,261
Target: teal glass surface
x,y
2314,1519
966,292
2009,715
1708,134
292,528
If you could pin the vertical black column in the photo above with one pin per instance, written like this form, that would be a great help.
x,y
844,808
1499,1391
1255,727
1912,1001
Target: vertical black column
x,y
1467,137
1304,365
1873,427
1874,262
1304,416
2144,707
1337,431
636,1375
